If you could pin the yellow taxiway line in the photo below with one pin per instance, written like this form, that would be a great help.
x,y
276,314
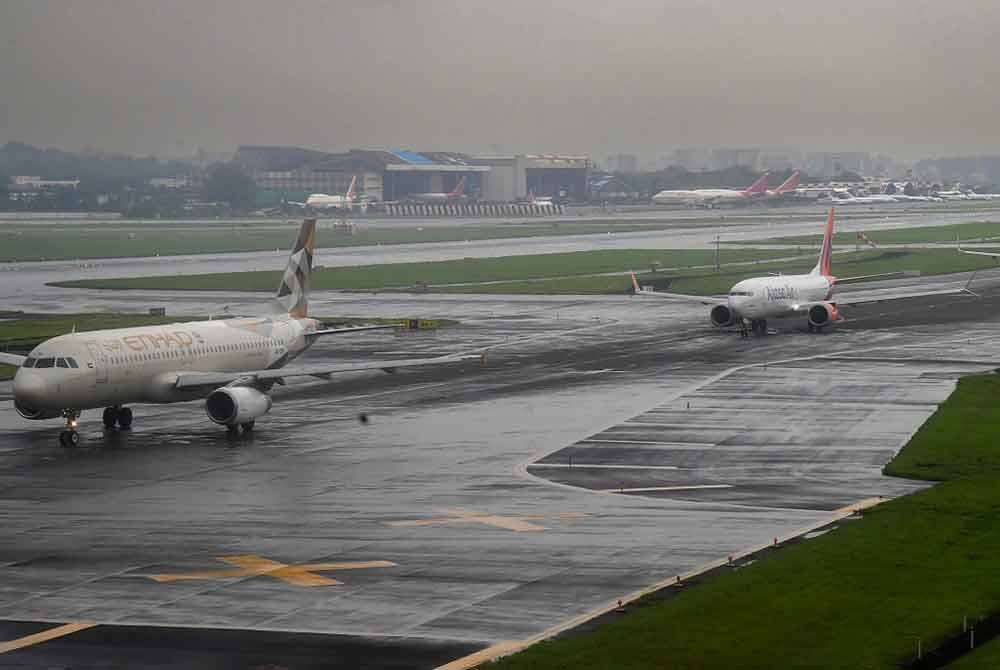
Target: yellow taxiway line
x,y
45,635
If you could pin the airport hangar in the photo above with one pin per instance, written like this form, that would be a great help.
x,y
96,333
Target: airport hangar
x,y
292,173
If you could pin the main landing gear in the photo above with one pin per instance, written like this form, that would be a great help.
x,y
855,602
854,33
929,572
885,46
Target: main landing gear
x,y
117,416
233,429
69,437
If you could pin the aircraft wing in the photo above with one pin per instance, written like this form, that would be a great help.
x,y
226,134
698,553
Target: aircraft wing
x,y
683,297
12,359
190,380
885,275
889,295
992,254
349,329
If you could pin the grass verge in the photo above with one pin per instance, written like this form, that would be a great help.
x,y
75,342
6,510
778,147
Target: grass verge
x,y
856,597
968,232
594,272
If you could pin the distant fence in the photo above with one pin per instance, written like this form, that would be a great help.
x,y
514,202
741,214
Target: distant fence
x,y
471,209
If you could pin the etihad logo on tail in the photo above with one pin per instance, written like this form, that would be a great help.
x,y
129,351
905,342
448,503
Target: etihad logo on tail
x,y
293,292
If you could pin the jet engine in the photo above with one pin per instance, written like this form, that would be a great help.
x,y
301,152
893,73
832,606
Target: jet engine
x,y
823,314
35,414
233,405
722,316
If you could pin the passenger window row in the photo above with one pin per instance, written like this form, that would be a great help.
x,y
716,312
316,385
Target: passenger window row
x,y
69,362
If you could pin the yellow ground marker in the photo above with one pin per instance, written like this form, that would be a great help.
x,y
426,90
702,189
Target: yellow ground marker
x,y
519,524
250,565
45,635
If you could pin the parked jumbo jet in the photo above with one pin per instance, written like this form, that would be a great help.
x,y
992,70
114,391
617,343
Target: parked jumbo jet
x,y
812,295
232,363
457,193
322,201
708,197
786,188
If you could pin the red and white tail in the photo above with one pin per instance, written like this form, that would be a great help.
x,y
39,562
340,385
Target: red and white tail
x,y
824,266
759,186
789,184
352,190
459,189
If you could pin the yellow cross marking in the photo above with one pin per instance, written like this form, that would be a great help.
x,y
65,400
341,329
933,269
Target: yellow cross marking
x,y
517,523
249,565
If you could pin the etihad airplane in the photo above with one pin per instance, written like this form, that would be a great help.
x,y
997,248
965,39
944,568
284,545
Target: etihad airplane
x,y
457,193
709,197
753,301
322,201
231,363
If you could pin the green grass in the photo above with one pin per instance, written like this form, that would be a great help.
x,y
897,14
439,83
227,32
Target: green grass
x,y
19,242
856,597
986,657
7,372
408,275
967,232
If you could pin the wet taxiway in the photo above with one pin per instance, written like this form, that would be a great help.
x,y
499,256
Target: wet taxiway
x,y
435,529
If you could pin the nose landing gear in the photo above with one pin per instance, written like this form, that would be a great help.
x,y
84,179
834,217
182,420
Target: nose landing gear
x,y
69,437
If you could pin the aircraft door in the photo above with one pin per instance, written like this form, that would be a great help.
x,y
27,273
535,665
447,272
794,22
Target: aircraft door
x,y
100,364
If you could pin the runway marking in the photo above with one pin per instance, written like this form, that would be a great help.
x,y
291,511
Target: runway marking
x,y
250,565
646,443
650,489
45,635
609,466
519,524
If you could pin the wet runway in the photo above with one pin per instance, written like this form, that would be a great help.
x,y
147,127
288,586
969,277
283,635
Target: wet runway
x,y
436,529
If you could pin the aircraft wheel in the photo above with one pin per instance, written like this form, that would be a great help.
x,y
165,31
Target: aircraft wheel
x,y
248,426
69,438
125,418
110,417
232,429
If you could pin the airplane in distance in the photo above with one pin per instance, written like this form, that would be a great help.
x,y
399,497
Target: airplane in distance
x,y
787,187
322,201
755,300
231,363
709,197
455,194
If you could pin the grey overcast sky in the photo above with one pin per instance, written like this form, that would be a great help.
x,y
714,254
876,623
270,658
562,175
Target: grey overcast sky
x,y
909,77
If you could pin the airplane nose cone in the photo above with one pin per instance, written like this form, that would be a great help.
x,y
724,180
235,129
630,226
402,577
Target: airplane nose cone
x,y
29,388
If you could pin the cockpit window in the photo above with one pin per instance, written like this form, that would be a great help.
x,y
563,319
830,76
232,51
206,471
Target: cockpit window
x,y
45,363
29,362
72,362
61,363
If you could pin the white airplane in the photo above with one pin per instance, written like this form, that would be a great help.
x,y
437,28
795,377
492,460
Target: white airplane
x,y
812,295
322,201
232,363
455,194
708,197
787,187
848,198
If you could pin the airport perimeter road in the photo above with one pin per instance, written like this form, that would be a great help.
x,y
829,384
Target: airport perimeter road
x,y
427,533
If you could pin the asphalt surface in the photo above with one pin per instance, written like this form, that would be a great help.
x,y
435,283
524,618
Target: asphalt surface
x,y
452,521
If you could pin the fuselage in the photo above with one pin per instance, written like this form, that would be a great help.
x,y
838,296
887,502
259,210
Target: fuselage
x,y
774,297
705,195
115,367
324,201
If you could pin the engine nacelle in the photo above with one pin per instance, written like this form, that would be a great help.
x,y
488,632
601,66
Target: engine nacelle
x,y
722,316
232,405
36,414
823,314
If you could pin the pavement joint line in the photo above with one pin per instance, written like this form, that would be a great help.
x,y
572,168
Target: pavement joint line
x,y
510,647
609,466
45,636
690,487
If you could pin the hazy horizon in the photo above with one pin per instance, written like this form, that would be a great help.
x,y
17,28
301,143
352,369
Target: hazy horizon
x,y
912,79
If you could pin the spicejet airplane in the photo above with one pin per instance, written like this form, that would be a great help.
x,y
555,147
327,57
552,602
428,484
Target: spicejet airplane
x,y
708,197
232,363
812,295
455,194
322,201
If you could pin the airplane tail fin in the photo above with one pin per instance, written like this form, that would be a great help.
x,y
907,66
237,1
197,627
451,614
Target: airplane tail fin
x,y
824,266
459,188
789,184
352,190
759,186
293,292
